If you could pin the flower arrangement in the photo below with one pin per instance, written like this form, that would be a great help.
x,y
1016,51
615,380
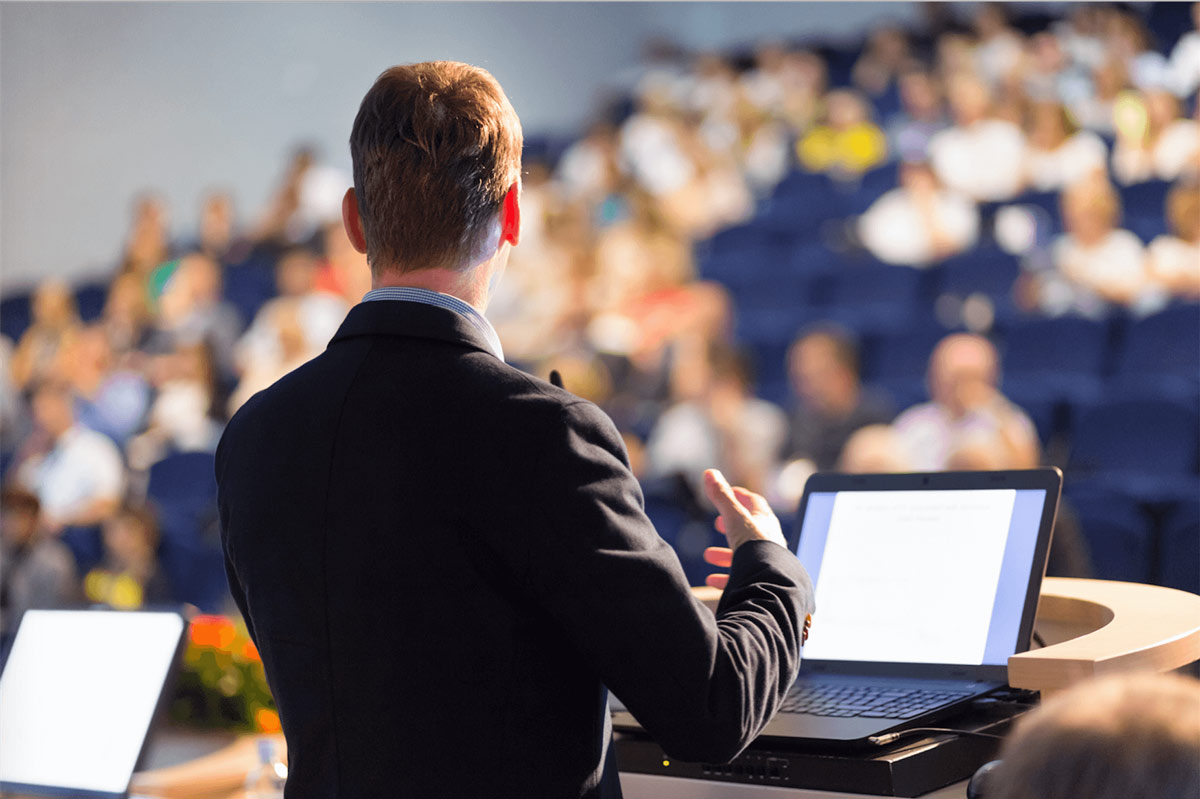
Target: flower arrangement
x,y
222,684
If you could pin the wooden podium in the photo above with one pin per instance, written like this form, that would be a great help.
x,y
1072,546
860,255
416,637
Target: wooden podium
x,y
1091,628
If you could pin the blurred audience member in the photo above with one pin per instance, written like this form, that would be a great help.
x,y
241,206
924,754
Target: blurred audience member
x,y
76,473
293,351
1000,48
109,400
847,143
1060,154
718,420
832,403
186,415
1094,256
1185,59
54,318
345,271
147,244
318,314
981,156
217,233
308,198
1173,261
884,58
191,311
1128,736
920,222
129,576
922,117
874,449
36,569
1094,107
967,413
1153,140
127,319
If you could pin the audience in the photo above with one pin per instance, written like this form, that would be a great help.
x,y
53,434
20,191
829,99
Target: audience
x,y
982,156
129,576
36,569
846,143
1153,140
967,418
1060,154
920,222
717,420
76,473
1173,261
1120,737
609,289
1096,259
831,401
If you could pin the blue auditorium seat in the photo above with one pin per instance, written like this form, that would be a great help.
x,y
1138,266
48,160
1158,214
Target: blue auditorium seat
x,y
90,299
1180,546
1147,436
16,314
876,296
183,490
1118,532
1148,199
1162,350
985,270
248,286
1066,346
872,185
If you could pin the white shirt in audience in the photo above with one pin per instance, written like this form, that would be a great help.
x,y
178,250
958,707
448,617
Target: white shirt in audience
x,y
1175,262
1178,145
929,436
983,161
1185,65
896,230
1115,265
1073,160
83,467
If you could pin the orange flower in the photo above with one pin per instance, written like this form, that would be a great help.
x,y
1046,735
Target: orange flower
x,y
212,631
267,720
250,652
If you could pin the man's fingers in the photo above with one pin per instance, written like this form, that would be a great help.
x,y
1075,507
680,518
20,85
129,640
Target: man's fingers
x,y
721,494
756,503
717,580
720,525
719,556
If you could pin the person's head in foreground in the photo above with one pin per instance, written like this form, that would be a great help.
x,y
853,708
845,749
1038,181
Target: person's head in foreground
x,y
436,148
1123,737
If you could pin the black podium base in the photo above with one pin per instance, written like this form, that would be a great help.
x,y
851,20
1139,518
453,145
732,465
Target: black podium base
x,y
910,767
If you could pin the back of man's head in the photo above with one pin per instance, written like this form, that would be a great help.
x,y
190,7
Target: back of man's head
x,y
1124,737
435,147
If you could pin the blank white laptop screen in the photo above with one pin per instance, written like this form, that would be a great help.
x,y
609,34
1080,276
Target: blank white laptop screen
x,y
930,576
78,694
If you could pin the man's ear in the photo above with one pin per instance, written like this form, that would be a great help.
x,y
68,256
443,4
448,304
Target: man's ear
x,y
352,221
510,216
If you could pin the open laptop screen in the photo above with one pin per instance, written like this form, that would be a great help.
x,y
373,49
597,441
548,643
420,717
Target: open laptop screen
x,y
934,576
77,697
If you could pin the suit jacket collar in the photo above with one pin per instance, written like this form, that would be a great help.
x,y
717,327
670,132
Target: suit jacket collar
x,y
413,320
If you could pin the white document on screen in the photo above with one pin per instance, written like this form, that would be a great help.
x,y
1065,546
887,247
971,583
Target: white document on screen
x,y
910,576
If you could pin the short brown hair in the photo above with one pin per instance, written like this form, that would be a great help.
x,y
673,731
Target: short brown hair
x,y
1115,738
435,147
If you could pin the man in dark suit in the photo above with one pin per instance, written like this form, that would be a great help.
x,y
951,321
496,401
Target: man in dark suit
x,y
445,561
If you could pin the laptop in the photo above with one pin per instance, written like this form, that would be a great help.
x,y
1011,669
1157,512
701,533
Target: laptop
x,y
925,585
78,698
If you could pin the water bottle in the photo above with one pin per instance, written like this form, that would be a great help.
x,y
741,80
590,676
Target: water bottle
x,y
266,780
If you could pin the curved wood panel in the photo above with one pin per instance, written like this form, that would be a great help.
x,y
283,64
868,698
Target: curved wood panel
x,y
1109,627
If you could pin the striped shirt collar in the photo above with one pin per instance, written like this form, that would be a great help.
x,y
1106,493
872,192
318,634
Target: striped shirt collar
x,y
439,300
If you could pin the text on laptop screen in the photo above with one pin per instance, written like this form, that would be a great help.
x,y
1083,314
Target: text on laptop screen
x,y
931,576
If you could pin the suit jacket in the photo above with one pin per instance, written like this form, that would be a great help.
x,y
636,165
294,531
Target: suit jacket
x,y
443,562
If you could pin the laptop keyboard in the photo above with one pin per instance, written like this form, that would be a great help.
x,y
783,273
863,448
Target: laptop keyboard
x,y
868,701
